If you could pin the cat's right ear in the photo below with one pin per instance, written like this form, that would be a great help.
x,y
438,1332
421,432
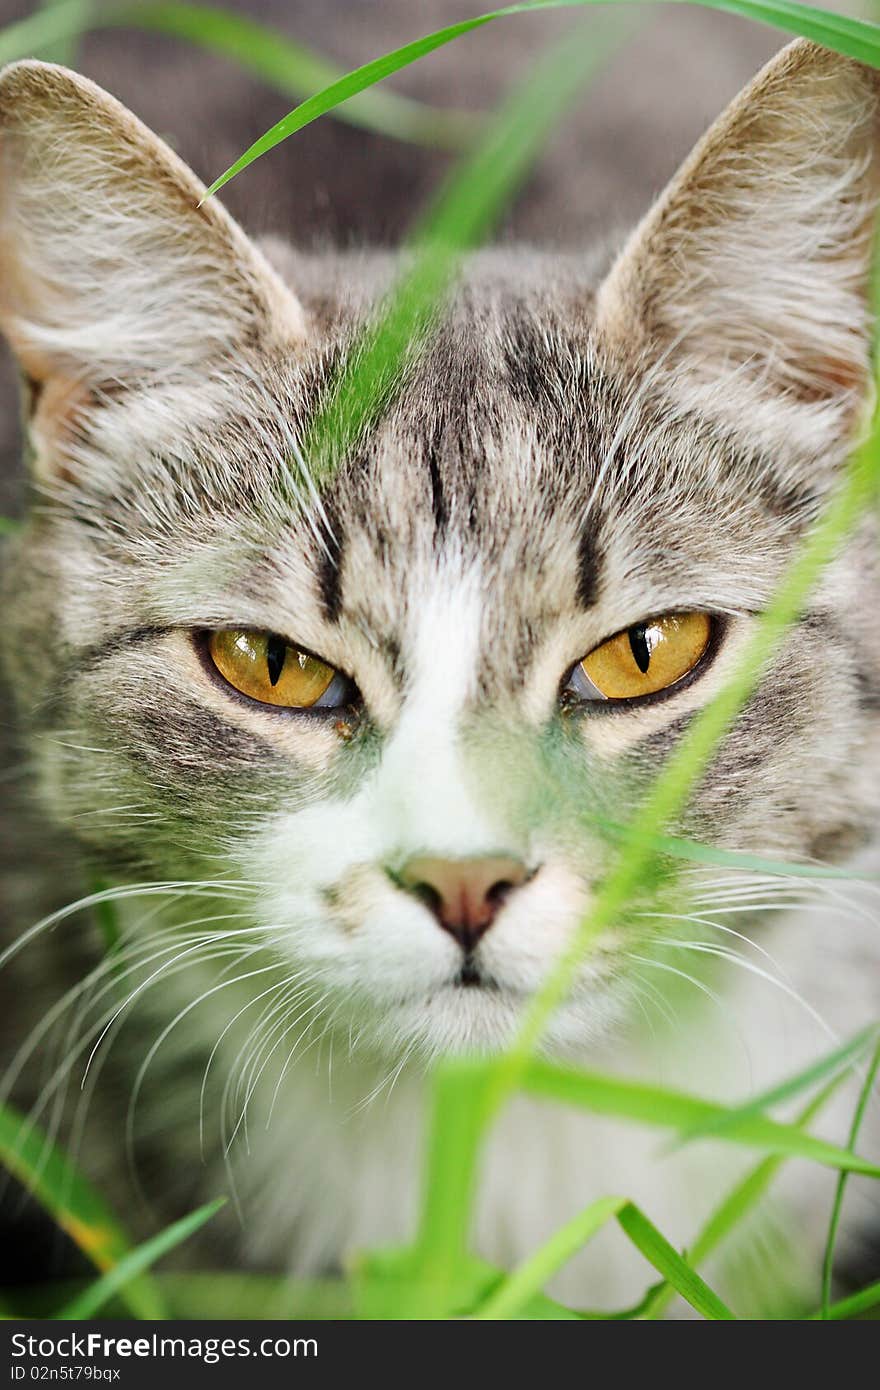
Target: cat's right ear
x,y
112,272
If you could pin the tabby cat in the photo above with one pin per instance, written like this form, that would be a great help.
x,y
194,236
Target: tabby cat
x,y
346,761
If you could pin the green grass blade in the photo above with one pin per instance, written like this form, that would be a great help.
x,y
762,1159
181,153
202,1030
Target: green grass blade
x,y
680,847
197,1295
666,1259
63,49
458,219
234,1294
529,1279
662,1108
49,1175
51,26
542,1309
136,1262
853,37
458,1121
297,71
519,1292
464,1096
851,1306
858,1117
733,1209
8,525
288,66
840,1060
398,1284
342,90
688,762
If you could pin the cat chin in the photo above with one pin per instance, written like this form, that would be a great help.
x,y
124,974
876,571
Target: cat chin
x,y
460,1018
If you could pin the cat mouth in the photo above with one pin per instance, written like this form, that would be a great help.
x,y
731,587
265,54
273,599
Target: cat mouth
x,y
470,976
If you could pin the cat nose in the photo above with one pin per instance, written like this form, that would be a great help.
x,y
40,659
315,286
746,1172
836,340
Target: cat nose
x,y
465,895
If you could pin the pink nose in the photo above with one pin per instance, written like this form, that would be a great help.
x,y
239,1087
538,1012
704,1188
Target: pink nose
x,y
464,895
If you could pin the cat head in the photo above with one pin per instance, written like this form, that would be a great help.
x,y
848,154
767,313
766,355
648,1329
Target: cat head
x,y
409,706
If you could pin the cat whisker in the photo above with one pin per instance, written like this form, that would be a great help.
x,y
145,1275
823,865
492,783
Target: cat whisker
x,y
182,888
264,1030
229,1025
118,964
319,1004
389,1080
178,1018
63,1071
682,974
177,939
716,926
309,1013
75,747
239,931
661,1004
735,958
723,1006
256,1053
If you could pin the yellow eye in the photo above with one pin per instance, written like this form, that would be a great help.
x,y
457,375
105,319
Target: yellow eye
x,y
645,658
268,669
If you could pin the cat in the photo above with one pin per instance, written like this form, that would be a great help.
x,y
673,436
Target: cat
x,y
346,752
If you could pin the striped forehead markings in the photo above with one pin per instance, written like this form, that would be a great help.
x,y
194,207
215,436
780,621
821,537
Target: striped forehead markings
x,y
329,565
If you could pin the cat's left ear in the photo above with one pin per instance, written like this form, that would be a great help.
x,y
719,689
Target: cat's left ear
x,y
110,269
744,293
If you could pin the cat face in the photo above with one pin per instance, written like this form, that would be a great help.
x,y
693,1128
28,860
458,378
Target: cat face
x,y
409,708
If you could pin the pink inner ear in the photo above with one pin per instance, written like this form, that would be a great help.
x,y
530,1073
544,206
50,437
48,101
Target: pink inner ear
x,y
57,405
821,378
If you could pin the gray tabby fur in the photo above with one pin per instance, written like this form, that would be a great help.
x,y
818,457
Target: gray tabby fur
x,y
589,441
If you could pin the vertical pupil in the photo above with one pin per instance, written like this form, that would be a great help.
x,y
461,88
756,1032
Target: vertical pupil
x,y
276,652
638,642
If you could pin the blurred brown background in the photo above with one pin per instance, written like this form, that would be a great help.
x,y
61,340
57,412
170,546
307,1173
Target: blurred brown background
x,y
334,182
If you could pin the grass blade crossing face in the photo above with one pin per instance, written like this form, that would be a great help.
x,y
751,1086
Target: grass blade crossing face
x,y
853,1306
686,765
638,854
460,218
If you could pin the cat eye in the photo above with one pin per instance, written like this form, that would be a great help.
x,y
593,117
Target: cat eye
x,y
644,659
268,669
